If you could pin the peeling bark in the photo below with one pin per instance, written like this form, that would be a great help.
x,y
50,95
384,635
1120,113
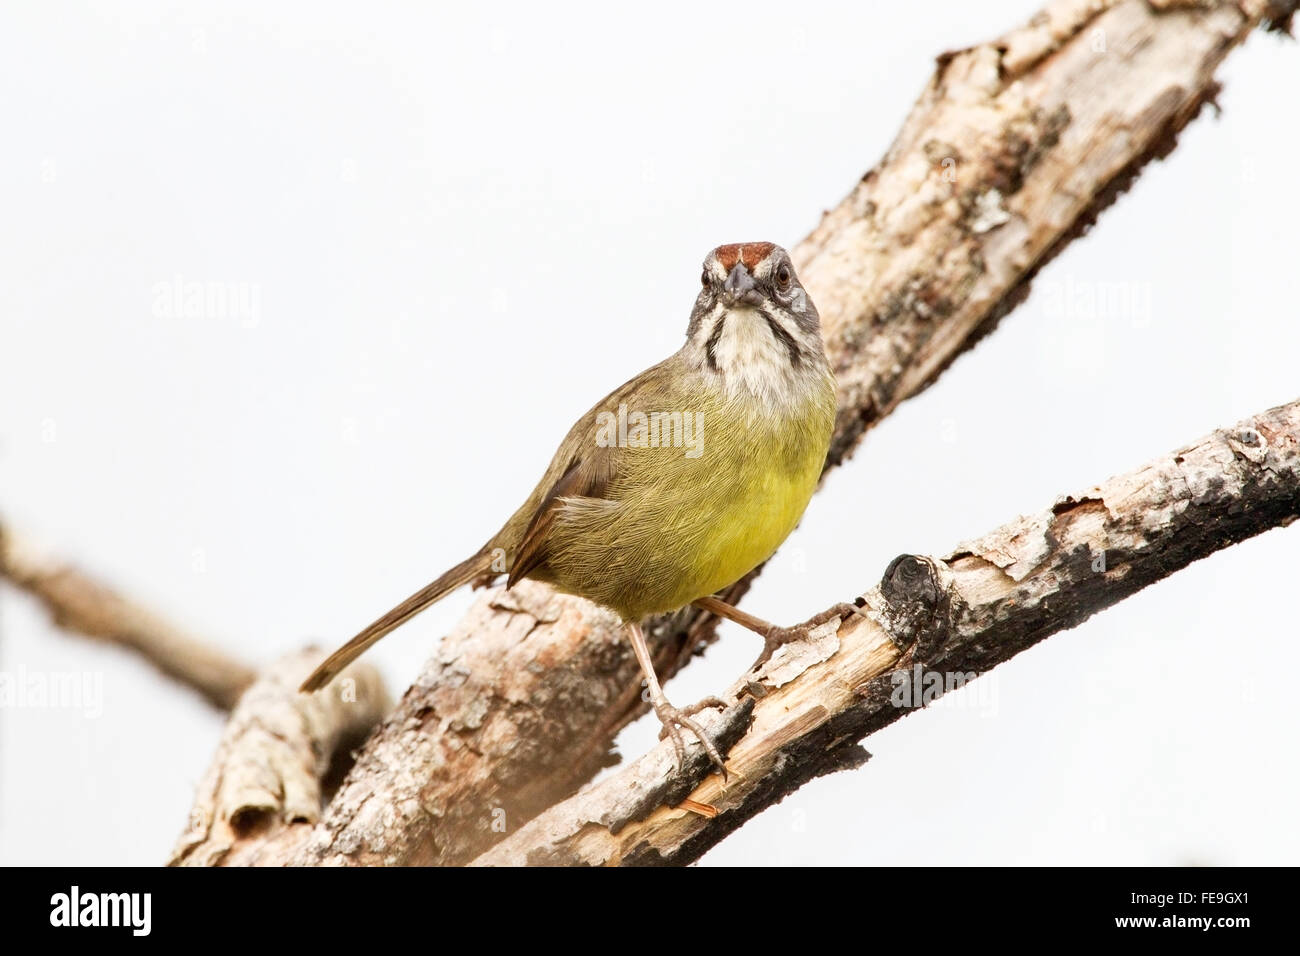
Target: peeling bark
x,y
1010,152
963,613
265,783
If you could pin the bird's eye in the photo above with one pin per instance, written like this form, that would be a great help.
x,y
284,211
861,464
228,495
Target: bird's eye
x,y
784,277
704,278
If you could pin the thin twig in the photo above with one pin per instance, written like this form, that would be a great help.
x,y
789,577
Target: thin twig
x,y
78,602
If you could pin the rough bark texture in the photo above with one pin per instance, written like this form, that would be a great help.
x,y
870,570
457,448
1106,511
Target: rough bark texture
x,y
274,757
79,603
1010,152
961,614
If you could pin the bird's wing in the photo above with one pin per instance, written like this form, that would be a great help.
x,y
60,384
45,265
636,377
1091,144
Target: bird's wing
x,y
589,475
582,468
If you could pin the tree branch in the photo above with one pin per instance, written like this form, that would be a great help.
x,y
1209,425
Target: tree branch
x,y
266,780
79,603
1010,152
952,617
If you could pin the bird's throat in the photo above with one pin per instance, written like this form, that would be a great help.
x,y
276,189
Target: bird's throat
x,y
755,351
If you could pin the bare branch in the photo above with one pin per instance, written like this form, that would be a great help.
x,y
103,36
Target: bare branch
x,y
79,603
950,617
1010,152
264,785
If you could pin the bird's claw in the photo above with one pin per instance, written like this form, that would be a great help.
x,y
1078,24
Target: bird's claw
x,y
777,636
673,718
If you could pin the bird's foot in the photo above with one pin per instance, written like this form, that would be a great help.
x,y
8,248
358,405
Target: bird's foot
x,y
675,718
777,636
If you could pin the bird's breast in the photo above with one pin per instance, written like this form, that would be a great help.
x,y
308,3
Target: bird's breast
x,y
687,521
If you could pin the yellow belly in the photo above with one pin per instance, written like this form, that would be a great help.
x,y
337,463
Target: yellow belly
x,y
683,528
748,530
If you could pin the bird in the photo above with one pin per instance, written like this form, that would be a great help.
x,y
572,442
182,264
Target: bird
x,y
679,482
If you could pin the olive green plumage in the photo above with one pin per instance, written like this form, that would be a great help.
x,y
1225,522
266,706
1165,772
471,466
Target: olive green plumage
x,y
644,530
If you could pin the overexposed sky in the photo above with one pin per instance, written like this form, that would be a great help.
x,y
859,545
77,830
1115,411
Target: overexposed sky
x,y
444,232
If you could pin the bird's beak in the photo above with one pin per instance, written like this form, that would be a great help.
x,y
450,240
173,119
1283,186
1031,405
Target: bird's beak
x,y
739,287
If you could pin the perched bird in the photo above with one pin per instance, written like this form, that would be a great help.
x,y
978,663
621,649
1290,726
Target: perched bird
x,y
681,481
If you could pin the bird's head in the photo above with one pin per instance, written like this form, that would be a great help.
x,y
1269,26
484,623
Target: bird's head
x,y
751,307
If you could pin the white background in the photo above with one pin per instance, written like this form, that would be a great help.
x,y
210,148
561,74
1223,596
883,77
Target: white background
x,y
464,226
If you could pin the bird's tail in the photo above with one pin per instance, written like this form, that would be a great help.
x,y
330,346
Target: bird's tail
x,y
469,569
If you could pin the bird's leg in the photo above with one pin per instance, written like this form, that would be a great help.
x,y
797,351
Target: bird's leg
x,y
773,635
722,609
669,715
